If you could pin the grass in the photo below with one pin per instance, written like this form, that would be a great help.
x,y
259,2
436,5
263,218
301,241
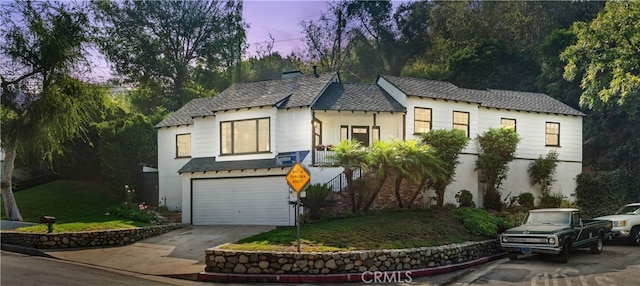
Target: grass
x,y
77,206
380,230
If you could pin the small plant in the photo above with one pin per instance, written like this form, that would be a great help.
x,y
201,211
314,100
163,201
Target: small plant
x,y
130,210
526,200
465,199
318,197
551,201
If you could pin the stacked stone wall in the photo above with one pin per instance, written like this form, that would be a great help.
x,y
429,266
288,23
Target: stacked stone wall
x,y
84,238
220,260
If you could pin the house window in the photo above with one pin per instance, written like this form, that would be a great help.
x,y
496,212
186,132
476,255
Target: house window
x,y
317,132
552,134
461,121
183,145
508,123
344,132
245,136
375,133
361,134
422,120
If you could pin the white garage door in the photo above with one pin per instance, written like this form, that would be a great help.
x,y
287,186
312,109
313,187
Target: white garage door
x,y
247,201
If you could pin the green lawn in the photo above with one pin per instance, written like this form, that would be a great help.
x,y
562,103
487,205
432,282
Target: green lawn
x,y
382,230
77,206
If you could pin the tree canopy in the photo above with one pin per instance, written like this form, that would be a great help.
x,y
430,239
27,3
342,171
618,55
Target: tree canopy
x,y
161,43
43,103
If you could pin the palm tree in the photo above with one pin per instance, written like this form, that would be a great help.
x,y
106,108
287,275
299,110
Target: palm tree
x,y
350,155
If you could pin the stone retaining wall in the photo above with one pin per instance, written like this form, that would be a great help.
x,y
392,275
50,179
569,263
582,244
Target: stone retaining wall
x,y
247,262
84,238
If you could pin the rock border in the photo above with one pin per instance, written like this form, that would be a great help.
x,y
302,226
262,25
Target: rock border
x,y
98,238
234,262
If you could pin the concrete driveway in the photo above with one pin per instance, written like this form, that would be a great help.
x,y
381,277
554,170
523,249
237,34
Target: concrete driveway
x,y
179,253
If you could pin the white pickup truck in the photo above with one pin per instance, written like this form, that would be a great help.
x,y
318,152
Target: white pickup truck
x,y
626,222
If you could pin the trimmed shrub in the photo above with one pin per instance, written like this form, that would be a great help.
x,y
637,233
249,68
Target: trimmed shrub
x,y
526,200
465,199
480,222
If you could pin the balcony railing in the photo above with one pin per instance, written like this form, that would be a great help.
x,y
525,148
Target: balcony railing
x,y
323,155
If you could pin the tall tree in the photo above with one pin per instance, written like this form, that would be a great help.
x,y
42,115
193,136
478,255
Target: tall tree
x,y
605,59
327,39
160,43
43,105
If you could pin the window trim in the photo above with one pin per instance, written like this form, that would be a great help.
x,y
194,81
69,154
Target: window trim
x,y
178,147
415,119
453,121
546,133
515,123
257,141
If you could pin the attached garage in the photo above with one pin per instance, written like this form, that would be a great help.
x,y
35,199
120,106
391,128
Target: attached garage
x,y
241,201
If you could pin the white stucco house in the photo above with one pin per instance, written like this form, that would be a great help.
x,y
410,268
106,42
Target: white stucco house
x,y
223,160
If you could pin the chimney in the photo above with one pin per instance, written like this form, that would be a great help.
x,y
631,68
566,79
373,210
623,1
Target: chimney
x,y
315,71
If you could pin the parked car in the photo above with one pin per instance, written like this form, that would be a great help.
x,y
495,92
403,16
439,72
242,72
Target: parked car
x,y
555,231
626,222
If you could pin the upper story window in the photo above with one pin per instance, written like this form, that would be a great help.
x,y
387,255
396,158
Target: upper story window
x,y
552,134
183,145
422,120
461,121
375,133
361,134
245,136
317,132
344,132
508,123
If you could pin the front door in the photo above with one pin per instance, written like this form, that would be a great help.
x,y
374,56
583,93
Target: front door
x,y
360,133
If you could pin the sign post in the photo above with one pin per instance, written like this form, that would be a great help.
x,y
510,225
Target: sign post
x,y
298,178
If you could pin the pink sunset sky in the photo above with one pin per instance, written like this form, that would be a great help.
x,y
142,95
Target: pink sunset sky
x,y
282,20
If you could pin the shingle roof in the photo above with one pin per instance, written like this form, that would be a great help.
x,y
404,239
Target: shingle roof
x,y
428,88
209,164
284,92
493,98
357,97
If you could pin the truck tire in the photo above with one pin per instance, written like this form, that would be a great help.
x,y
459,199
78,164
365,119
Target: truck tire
x,y
563,256
596,248
513,256
635,235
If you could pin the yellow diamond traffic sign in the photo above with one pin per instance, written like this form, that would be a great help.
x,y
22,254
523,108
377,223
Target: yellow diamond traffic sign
x,y
298,177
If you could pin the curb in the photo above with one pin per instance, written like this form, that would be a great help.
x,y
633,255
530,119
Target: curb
x,y
366,277
24,250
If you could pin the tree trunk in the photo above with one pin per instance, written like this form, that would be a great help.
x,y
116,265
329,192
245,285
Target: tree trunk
x,y
421,186
10,205
397,183
375,193
440,197
350,190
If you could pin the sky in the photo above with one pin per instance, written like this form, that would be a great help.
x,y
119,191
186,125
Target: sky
x,y
281,19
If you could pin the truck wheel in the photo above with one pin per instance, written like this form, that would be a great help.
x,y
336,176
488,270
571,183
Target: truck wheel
x,y
563,257
597,247
513,256
635,235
